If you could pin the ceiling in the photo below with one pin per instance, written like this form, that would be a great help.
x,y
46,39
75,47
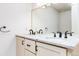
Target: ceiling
x,y
62,6
58,6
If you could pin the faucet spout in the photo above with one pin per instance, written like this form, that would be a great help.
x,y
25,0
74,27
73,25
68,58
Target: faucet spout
x,y
31,31
54,34
60,34
66,34
40,31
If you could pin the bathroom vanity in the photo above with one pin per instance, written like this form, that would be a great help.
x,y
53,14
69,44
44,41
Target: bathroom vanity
x,y
36,45
51,18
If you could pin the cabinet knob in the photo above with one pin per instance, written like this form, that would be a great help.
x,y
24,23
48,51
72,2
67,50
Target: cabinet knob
x,y
28,45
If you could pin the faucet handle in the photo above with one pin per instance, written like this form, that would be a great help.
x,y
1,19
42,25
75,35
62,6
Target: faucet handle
x,y
54,34
70,33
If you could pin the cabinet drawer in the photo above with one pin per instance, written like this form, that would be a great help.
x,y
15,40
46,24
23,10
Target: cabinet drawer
x,y
30,45
53,50
28,53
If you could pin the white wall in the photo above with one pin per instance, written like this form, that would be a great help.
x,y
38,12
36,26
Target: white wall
x,y
65,21
45,17
75,18
17,18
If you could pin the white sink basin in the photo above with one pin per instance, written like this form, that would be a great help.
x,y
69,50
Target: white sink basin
x,y
69,42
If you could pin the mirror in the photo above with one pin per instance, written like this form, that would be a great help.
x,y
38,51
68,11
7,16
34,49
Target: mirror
x,y
52,17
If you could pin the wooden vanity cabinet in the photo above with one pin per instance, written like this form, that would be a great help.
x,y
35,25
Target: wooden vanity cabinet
x,y
27,47
48,50
20,46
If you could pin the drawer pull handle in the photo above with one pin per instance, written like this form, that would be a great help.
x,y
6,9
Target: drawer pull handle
x,y
28,45
36,48
22,42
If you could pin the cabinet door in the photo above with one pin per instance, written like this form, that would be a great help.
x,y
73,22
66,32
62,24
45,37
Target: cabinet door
x,y
48,50
19,46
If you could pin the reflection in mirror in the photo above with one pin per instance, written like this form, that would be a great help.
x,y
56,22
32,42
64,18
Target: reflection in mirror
x,y
51,17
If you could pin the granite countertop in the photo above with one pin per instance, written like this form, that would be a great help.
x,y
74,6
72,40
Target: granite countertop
x,y
69,42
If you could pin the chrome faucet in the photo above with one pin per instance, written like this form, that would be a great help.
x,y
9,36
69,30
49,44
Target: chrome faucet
x,y
66,34
71,33
54,34
31,31
60,34
40,31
